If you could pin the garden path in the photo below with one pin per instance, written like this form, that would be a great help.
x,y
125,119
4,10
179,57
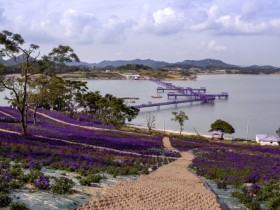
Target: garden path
x,y
171,186
8,115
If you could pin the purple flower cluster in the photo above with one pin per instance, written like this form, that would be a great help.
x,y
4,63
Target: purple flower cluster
x,y
42,182
253,189
252,178
6,175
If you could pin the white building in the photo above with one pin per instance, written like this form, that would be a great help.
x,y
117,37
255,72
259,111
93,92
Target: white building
x,y
266,139
132,76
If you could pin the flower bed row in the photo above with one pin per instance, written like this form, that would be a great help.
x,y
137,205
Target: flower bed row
x,y
254,170
142,144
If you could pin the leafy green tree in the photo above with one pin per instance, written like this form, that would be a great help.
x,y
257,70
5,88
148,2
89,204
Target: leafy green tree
x,y
110,109
89,101
74,90
180,117
114,111
29,64
223,126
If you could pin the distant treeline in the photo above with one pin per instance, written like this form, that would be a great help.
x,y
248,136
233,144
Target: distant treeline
x,y
62,69
137,67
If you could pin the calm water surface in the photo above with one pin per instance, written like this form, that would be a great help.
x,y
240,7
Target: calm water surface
x,y
253,100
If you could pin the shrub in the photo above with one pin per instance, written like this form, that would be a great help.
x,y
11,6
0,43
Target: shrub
x,y
16,184
274,203
251,178
92,178
16,171
4,185
33,175
62,185
5,200
221,184
243,198
35,165
255,188
42,182
253,206
17,206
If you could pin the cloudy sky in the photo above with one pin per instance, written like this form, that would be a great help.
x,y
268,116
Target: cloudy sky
x,y
242,32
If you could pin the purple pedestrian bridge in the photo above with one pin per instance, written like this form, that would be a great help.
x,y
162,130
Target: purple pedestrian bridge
x,y
191,95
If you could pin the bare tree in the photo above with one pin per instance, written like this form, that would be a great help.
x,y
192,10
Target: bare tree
x,y
150,120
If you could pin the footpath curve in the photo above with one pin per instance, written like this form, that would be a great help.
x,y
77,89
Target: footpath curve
x,y
172,186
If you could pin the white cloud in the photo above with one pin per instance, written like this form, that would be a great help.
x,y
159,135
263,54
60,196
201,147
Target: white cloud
x,y
78,26
164,21
214,47
238,23
2,15
250,7
114,29
167,21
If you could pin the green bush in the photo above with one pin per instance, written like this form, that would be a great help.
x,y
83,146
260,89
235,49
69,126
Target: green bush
x,y
113,170
17,206
4,185
253,206
5,200
33,175
222,184
274,203
15,184
16,171
62,185
92,178
243,198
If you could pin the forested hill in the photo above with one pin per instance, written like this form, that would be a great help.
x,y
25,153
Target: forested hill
x,y
203,65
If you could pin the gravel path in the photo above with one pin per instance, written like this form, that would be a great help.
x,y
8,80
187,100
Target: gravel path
x,y
172,186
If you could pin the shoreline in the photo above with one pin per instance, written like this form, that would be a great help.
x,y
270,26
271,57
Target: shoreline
x,y
168,79
230,138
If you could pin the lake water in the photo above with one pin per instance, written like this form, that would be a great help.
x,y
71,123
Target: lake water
x,y
254,102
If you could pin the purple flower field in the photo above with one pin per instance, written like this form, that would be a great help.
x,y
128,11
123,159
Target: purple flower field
x,y
60,146
238,165
251,168
114,139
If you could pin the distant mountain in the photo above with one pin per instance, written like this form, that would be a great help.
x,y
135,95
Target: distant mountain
x,y
262,67
151,63
102,64
157,64
4,62
206,63
14,61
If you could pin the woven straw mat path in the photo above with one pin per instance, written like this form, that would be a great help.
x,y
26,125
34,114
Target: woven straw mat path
x,y
171,187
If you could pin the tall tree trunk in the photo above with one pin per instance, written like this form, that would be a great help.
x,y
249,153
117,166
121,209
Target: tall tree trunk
x,y
23,121
35,116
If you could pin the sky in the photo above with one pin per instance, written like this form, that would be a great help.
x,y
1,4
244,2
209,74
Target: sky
x,y
241,32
